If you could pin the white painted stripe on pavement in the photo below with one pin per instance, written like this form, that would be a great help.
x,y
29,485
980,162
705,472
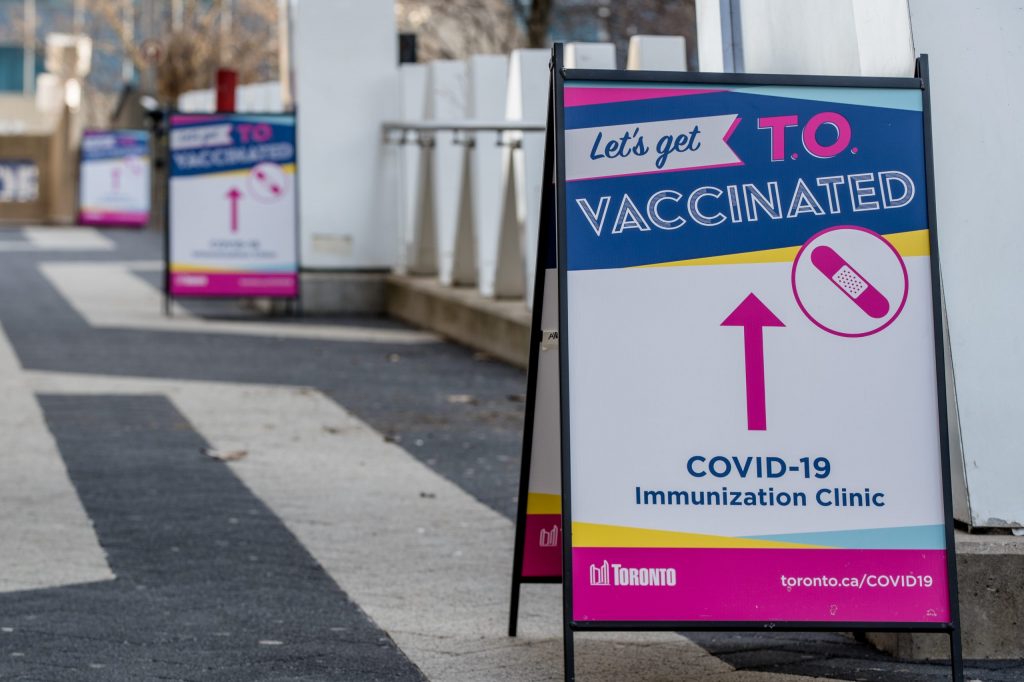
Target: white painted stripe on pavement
x,y
59,239
46,538
425,560
109,295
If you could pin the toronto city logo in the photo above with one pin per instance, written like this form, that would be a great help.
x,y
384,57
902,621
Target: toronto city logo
x,y
622,576
549,538
599,574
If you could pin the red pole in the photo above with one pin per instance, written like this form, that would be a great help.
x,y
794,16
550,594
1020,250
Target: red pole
x,y
227,79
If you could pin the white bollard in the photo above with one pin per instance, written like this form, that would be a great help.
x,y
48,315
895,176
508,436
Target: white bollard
x,y
260,98
415,256
528,87
446,102
254,98
480,219
656,53
589,55
197,102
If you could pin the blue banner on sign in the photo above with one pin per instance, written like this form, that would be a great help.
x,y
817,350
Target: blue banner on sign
x,y
217,143
722,171
117,144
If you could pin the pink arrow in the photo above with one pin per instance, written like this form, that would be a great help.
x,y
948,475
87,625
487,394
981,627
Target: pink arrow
x,y
233,196
754,316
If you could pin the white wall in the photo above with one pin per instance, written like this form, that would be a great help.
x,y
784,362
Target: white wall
x,y
884,46
808,36
833,37
976,54
346,83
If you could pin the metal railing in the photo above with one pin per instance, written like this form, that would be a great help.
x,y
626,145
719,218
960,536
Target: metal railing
x,y
423,131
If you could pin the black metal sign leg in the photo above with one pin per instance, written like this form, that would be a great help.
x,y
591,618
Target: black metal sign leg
x,y
513,611
570,655
956,655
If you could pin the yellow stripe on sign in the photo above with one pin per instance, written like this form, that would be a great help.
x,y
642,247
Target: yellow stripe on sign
x,y
543,503
600,535
182,267
914,243
783,255
288,168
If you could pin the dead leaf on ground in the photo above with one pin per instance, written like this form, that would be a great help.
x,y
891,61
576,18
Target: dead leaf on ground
x,y
225,455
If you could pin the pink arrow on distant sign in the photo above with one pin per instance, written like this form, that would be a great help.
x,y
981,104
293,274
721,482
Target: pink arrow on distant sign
x,y
233,196
754,316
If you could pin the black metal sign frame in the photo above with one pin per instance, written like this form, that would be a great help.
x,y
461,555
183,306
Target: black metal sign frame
x,y
545,242
559,77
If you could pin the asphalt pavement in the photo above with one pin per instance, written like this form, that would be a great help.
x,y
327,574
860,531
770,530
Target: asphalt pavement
x,y
219,495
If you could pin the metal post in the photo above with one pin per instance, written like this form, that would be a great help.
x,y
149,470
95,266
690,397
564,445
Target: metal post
x,y
284,53
79,20
128,29
29,44
149,32
226,18
177,15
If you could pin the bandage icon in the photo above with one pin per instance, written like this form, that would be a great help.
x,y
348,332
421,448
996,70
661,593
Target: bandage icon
x,y
850,282
262,177
267,182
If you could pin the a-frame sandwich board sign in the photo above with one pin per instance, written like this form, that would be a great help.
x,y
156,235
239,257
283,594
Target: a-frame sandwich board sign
x,y
231,207
753,425
538,539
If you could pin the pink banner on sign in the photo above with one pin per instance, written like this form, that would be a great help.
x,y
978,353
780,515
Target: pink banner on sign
x,y
762,585
233,284
113,218
578,97
542,546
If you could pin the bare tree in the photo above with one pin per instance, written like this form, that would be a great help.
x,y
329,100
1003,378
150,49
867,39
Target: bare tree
x,y
536,16
185,51
452,29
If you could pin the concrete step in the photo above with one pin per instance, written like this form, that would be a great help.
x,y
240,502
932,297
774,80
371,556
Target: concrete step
x,y
991,578
499,328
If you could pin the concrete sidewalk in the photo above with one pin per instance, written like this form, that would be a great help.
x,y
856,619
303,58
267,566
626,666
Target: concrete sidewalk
x,y
219,497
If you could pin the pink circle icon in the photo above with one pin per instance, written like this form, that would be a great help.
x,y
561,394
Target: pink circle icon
x,y
850,281
268,182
